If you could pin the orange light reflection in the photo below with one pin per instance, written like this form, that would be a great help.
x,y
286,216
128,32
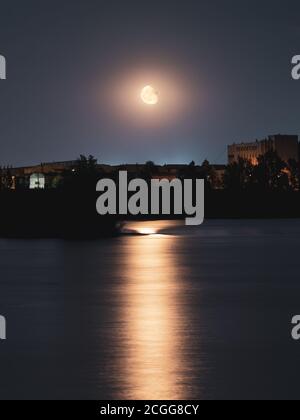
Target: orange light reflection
x,y
153,358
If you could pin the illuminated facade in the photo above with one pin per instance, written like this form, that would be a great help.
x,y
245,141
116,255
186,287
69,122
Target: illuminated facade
x,y
45,175
287,147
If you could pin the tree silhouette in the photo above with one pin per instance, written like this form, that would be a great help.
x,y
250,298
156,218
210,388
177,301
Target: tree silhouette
x,y
83,175
270,173
293,167
149,170
239,175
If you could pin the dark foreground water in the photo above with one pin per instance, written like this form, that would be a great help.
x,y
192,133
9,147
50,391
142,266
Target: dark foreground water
x,y
182,313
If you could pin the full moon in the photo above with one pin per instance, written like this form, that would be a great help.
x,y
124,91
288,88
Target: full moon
x,y
149,95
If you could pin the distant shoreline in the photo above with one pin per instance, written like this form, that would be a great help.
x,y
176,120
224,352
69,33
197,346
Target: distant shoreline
x,y
57,214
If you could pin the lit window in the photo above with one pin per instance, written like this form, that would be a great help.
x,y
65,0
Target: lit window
x,y
37,182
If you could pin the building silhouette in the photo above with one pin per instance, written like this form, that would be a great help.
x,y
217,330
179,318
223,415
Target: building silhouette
x,y
286,146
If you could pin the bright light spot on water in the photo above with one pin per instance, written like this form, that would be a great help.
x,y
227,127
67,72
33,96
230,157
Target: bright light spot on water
x,y
147,231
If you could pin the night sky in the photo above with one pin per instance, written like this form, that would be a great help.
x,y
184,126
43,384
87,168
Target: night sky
x,y
222,70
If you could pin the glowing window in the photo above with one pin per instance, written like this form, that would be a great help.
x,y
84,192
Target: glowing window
x,y
37,182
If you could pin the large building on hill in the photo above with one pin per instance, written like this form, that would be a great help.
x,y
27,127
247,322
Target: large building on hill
x,y
286,146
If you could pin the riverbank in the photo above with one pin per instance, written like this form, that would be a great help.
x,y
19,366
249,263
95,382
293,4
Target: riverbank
x,y
52,214
59,214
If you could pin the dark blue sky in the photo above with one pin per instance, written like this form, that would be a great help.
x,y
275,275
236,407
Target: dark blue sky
x,y
231,60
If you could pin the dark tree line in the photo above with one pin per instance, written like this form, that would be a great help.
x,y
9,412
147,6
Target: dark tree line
x,y
270,174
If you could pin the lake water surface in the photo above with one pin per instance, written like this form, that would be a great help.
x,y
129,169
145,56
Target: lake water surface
x,y
162,312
